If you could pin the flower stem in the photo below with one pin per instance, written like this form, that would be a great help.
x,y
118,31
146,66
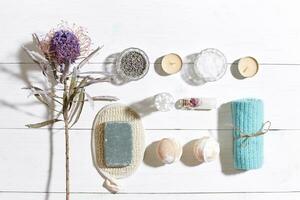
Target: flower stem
x,y
67,159
66,118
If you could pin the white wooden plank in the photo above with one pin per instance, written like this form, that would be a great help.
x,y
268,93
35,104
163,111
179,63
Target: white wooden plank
x,y
25,158
248,196
276,85
32,160
264,29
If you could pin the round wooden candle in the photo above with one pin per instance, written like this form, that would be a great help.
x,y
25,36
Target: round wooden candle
x,y
248,66
171,63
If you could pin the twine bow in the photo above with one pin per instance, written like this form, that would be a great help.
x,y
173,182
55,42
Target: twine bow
x,y
263,130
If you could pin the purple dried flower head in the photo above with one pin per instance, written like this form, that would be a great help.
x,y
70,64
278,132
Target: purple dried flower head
x,y
65,44
64,47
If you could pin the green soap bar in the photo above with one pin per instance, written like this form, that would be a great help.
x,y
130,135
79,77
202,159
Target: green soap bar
x,y
117,144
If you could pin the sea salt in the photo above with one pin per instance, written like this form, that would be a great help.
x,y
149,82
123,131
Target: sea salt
x,y
210,65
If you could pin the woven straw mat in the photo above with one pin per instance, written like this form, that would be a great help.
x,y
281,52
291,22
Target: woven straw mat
x,y
118,112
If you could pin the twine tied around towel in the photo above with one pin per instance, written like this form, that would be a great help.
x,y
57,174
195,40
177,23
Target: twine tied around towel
x,y
245,136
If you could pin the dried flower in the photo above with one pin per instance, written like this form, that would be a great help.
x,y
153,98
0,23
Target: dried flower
x,y
77,34
194,102
61,47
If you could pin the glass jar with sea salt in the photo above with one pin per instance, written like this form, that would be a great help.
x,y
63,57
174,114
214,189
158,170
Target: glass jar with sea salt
x,y
209,65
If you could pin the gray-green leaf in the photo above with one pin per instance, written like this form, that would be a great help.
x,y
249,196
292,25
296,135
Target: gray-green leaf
x,y
84,61
41,124
78,109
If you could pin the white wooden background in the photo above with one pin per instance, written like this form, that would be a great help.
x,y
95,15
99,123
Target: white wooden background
x,y
32,161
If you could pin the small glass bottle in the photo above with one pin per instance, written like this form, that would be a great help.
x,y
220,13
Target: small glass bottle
x,y
164,102
197,103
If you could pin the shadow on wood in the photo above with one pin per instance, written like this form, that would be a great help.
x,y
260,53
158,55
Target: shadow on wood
x,y
226,140
111,68
26,68
235,71
158,68
144,107
188,73
150,156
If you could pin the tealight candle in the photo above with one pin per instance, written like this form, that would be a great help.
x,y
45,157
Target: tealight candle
x,y
171,63
248,67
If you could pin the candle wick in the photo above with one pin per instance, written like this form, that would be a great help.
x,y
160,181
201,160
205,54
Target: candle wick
x,y
245,69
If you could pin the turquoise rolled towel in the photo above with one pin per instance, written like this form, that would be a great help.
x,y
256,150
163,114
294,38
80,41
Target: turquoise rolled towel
x,y
248,118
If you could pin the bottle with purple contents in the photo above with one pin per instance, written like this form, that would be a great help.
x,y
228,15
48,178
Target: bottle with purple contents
x,y
197,103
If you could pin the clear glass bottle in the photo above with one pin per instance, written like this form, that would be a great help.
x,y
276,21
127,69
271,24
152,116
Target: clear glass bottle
x,y
164,102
